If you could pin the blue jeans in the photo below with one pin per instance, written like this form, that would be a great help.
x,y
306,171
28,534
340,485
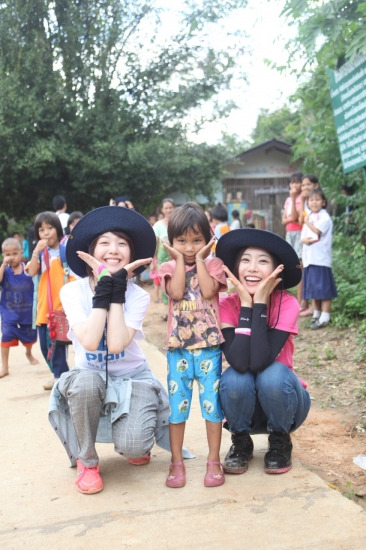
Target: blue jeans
x,y
59,363
273,399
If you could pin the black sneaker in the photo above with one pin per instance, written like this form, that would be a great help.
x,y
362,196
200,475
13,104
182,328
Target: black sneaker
x,y
278,458
314,322
241,451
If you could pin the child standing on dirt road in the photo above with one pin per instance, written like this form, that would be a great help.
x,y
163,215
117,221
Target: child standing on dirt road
x,y
317,259
194,358
15,304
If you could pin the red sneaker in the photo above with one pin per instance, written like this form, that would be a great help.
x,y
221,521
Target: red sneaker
x,y
141,461
89,480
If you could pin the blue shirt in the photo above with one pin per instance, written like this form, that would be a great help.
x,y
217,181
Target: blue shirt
x,y
16,298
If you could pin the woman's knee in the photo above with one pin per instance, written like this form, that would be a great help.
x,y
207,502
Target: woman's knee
x,y
83,384
134,434
277,378
235,385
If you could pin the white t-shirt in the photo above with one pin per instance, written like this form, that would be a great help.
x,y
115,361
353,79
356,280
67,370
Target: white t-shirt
x,y
235,224
76,298
320,252
64,218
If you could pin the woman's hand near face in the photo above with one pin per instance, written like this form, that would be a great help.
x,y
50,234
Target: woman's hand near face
x,y
131,267
246,299
95,264
267,286
92,262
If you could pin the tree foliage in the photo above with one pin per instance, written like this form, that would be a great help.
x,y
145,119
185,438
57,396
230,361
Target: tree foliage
x,y
281,124
330,33
94,98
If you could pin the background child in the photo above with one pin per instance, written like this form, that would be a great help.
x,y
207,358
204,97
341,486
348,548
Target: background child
x,y
49,232
236,223
308,183
290,218
15,304
161,232
317,259
193,358
220,220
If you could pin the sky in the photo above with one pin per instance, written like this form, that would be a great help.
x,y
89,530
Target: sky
x,y
266,88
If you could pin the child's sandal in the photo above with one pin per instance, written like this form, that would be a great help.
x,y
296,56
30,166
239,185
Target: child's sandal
x,y
213,479
178,479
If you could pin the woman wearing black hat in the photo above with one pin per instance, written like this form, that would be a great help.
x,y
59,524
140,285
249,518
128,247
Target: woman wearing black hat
x,y
111,380
259,392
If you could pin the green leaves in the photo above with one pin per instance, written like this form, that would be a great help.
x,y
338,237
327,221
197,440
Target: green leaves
x,y
95,96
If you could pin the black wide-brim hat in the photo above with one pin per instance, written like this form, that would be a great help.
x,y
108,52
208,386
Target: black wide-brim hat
x,y
110,219
232,242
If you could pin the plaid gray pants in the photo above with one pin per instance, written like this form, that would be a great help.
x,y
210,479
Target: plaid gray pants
x,y
133,434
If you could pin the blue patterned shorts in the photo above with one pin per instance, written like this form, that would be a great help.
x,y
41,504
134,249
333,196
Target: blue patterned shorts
x,y
185,366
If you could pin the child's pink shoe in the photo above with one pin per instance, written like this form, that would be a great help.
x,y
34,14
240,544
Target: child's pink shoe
x,y
213,479
178,479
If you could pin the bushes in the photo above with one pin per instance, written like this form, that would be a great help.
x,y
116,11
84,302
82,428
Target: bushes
x,y
349,268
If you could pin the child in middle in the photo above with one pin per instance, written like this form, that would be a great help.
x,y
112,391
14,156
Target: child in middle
x,y
194,358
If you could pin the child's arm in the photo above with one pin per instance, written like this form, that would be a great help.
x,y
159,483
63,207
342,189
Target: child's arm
x,y
313,228
2,269
302,212
33,265
209,286
175,285
293,216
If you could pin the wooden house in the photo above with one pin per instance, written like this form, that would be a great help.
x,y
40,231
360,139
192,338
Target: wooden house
x,y
257,184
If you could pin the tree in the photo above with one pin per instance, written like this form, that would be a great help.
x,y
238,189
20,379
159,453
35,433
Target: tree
x,y
94,101
281,124
330,33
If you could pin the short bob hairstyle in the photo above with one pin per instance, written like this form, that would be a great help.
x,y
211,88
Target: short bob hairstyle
x,y
190,216
52,219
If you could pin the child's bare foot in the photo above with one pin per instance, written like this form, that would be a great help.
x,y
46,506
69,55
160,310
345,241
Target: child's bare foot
x,y
32,359
3,373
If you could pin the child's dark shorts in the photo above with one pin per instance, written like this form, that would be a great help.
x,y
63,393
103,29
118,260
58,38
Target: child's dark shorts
x,y
13,333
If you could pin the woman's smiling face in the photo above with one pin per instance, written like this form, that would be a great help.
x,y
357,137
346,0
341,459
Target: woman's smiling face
x,y
255,265
113,251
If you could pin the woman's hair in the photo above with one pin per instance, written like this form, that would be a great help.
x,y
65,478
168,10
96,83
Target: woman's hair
x,y
235,214
77,215
167,199
190,216
119,234
52,219
311,178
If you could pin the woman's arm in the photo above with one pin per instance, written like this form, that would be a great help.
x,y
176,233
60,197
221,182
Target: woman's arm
x,y
254,352
108,306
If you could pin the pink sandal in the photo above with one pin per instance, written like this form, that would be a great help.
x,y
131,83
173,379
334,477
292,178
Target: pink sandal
x,y
178,479
212,479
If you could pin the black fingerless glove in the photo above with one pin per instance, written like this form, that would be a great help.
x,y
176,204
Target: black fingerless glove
x,y
119,288
103,293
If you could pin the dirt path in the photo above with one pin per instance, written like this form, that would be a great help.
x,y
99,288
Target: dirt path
x,y
333,363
